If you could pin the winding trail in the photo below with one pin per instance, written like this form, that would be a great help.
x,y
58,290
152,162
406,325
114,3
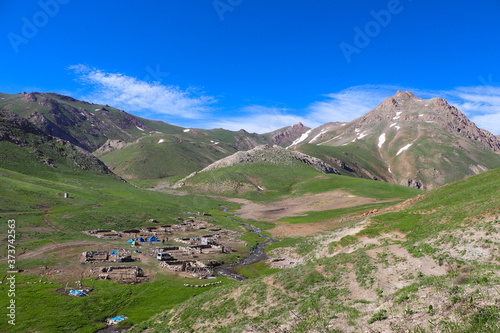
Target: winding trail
x,y
257,255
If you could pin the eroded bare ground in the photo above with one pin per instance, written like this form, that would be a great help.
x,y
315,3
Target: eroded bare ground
x,y
395,268
298,205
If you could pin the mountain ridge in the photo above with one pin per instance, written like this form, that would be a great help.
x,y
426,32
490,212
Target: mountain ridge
x,y
269,154
405,140
409,141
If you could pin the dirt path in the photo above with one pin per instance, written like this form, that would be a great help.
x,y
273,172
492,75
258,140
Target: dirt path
x,y
47,222
53,247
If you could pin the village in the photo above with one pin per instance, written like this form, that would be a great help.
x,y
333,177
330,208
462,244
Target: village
x,y
191,248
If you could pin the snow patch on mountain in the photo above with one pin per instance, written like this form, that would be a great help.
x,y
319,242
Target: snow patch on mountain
x,y
362,135
404,148
317,136
398,115
381,140
299,140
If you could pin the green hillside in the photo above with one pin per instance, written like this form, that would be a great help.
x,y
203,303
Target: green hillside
x,y
158,156
35,172
32,195
412,270
359,160
261,181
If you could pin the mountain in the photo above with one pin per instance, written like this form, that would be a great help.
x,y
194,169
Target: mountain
x,y
25,148
405,140
133,147
409,141
83,124
181,152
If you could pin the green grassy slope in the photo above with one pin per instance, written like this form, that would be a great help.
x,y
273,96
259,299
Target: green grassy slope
x,y
360,159
243,180
175,155
35,171
453,206
32,196
277,181
316,296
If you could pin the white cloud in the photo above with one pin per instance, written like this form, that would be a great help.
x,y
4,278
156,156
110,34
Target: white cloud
x,y
131,94
480,103
260,119
490,122
349,104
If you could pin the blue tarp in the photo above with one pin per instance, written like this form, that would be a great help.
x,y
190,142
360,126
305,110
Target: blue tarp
x,y
113,253
116,320
152,239
140,239
77,293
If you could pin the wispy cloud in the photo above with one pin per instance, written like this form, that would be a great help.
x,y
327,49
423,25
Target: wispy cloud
x,y
190,108
481,104
349,104
132,94
261,119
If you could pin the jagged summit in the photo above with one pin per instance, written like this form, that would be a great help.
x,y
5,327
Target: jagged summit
x,y
405,109
408,140
404,94
285,137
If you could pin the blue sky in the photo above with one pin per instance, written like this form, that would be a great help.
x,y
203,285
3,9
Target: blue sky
x,y
255,64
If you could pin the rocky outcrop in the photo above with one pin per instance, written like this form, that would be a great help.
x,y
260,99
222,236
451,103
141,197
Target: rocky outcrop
x,y
291,134
271,154
111,145
29,97
49,128
413,184
268,154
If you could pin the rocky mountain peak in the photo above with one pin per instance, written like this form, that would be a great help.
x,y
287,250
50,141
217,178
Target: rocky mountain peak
x,y
291,134
404,109
30,97
403,95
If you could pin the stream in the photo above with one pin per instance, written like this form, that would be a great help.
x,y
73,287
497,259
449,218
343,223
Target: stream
x,y
258,254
